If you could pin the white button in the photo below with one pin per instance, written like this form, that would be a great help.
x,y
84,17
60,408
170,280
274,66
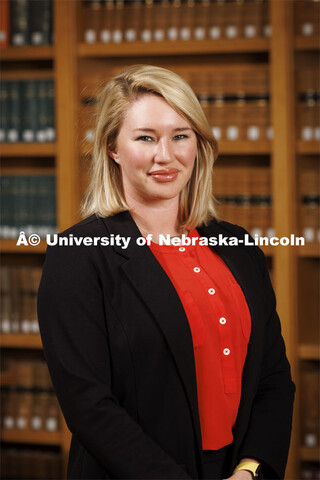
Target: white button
x,y
211,291
181,249
222,320
196,269
226,351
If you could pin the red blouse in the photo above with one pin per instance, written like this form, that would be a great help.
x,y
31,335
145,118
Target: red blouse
x,y
220,325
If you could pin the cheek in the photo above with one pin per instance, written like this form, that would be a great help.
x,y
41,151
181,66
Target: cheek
x,y
134,158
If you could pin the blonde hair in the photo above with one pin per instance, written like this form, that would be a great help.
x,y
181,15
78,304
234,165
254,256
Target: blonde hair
x,y
104,195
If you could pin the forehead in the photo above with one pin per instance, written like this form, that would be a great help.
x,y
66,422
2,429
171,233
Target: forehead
x,y
152,109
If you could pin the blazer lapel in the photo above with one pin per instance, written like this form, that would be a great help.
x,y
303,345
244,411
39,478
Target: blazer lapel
x,y
156,290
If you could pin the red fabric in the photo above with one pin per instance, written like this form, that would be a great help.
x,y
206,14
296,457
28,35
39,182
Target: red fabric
x,y
220,323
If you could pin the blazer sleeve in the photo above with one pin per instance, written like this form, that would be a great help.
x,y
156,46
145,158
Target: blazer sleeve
x,y
268,435
75,340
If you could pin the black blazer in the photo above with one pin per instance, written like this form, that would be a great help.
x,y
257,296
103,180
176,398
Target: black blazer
x,y
120,353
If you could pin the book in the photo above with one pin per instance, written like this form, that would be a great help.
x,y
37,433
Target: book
x,y
40,22
29,108
15,114
19,25
4,23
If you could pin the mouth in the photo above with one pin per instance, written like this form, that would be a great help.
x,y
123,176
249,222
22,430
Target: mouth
x,y
164,175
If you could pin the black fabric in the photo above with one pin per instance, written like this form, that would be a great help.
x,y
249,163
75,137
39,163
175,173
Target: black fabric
x,y
120,353
215,463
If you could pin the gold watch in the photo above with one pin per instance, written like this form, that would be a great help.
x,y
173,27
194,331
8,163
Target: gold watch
x,y
251,466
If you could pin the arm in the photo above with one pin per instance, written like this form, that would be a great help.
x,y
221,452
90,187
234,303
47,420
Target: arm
x,y
268,435
73,329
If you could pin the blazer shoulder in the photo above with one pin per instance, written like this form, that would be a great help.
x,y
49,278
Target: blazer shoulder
x,y
227,228
90,226
220,227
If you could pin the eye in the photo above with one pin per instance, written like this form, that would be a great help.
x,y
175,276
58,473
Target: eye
x,y
145,138
180,137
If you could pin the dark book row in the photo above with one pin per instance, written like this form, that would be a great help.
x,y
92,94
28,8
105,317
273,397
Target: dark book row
x,y
30,464
15,279
120,21
256,217
306,18
310,406
18,313
26,22
28,204
308,116
310,471
29,411
31,374
27,110
18,309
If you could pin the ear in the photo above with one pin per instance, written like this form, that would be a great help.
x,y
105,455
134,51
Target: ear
x,y
114,155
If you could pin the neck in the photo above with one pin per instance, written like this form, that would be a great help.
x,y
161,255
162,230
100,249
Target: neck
x,y
156,218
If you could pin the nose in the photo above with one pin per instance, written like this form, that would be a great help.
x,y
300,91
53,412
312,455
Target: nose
x,y
164,151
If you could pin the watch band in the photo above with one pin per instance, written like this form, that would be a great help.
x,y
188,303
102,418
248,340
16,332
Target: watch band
x,y
250,466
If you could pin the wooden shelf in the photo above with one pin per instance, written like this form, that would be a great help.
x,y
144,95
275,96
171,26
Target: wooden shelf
x,y
9,246
309,148
245,147
30,436
46,52
20,340
310,454
7,379
28,149
309,250
309,352
138,49
307,43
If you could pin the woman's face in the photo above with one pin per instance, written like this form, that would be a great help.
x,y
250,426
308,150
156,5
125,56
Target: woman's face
x,y
156,150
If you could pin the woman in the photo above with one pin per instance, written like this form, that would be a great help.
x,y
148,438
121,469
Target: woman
x,y
167,360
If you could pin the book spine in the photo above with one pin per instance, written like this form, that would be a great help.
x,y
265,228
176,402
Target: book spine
x,y
14,121
4,23
40,20
19,25
42,104
29,111
4,110
146,32
50,129
92,19
107,21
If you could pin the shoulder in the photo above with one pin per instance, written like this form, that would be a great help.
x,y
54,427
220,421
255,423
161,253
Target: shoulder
x,y
244,246
227,228
88,227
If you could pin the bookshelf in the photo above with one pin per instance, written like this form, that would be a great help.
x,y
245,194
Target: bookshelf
x,y
78,68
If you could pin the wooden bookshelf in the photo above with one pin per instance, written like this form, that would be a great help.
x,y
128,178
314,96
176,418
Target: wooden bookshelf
x,y
28,149
309,352
31,437
307,43
309,250
310,454
166,48
46,52
10,246
311,148
20,340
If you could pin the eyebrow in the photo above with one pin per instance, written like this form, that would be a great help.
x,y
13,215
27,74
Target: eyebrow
x,y
153,130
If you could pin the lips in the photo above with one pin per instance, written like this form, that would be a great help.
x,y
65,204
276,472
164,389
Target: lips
x,y
165,174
